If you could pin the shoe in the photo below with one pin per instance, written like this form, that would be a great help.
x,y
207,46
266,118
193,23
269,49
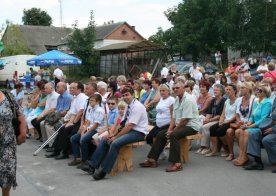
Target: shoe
x,y
74,162
148,163
199,150
46,147
81,165
163,156
62,156
50,149
54,154
273,171
254,166
99,175
205,151
224,154
87,168
41,139
38,138
174,168
211,154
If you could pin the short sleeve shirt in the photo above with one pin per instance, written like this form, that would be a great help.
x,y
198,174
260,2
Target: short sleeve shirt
x,y
80,103
138,116
186,109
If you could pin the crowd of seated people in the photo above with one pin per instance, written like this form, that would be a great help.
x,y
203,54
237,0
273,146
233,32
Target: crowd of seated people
x,y
98,118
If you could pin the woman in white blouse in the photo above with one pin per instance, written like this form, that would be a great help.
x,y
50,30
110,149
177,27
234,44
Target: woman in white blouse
x,y
164,113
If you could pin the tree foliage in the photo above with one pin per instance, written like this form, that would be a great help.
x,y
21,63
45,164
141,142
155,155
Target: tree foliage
x,y
81,42
201,27
35,16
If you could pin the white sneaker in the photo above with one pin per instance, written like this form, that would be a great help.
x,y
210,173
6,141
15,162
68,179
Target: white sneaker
x,y
163,156
205,151
199,150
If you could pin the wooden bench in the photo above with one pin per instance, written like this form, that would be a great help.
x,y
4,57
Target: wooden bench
x,y
124,159
185,145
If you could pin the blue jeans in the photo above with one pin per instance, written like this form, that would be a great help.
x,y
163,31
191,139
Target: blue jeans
x,y
84,142
109,152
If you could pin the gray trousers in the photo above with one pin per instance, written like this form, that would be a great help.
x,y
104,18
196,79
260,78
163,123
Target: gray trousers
x,y
269,142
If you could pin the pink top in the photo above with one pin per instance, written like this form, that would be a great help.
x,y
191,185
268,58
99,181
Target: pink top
x,y
270,74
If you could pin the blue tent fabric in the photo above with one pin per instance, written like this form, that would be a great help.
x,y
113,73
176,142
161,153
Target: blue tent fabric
x,y
54,57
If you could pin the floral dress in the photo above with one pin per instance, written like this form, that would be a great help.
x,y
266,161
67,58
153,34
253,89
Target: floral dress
x,y
7,145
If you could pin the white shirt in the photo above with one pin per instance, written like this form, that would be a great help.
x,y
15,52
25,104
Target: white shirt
x,y
51,101
138,116
230,110
263,68
58,73
164,72
96,115
195,73
79,103
163,116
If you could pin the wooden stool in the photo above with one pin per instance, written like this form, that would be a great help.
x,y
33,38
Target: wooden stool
x,y
185,145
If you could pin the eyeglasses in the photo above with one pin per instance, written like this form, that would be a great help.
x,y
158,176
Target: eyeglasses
x,y
109,103
176,88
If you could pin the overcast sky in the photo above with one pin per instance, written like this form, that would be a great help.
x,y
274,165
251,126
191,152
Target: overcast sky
x,y
146,15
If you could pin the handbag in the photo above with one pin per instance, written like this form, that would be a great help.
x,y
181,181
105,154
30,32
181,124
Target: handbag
x,y
52,118
15,121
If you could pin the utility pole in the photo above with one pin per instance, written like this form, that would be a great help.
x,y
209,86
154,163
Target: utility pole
x,y
60,12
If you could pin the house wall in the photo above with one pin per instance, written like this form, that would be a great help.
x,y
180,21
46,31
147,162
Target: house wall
x,y
125,32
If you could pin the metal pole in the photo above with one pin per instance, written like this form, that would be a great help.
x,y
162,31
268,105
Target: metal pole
x,y
48,140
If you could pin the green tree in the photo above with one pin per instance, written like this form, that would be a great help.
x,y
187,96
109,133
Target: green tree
x,y
35,16
81,42
201,27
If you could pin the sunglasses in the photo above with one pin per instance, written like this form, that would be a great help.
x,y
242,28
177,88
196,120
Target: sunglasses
x,y
176,88
259,90
109,103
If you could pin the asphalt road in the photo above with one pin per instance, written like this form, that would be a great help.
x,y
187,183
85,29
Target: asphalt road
x,y
201,176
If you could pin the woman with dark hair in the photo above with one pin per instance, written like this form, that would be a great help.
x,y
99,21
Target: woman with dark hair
x,y
18,93
204,100
212,116
223,81
152,101
147,87
112,88
8,141
218,131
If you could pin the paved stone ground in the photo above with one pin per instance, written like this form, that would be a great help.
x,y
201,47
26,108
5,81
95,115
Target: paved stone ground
x,y
201,176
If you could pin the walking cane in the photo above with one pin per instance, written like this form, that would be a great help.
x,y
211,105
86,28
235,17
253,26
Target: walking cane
x,y
48,140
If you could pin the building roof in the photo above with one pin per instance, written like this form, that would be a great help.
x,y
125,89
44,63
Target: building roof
x,y
37,37
132,46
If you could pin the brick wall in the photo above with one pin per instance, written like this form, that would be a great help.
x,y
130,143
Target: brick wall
x,y
125,32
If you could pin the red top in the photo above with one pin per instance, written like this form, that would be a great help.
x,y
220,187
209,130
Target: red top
x,y
270,74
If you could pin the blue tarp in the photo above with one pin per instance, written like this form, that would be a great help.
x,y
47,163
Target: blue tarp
x,y
54,57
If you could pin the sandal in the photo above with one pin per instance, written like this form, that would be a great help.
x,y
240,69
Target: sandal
x,y
174,168
230,157
148,163
241,163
